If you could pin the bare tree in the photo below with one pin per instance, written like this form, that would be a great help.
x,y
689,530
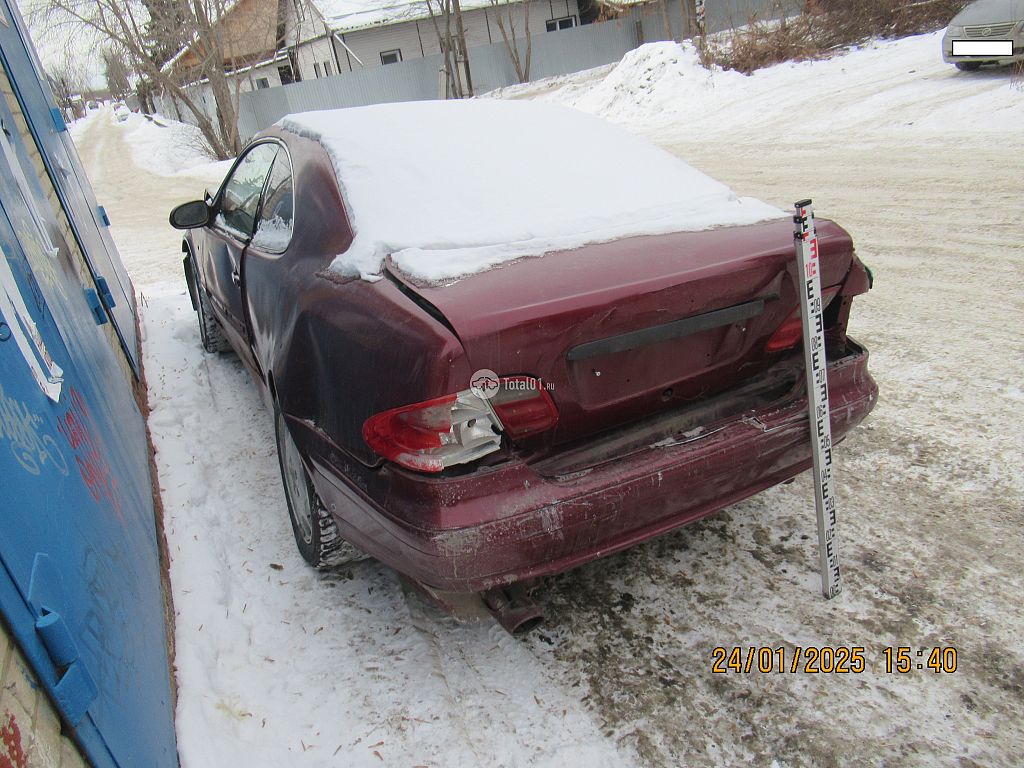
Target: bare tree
x,y
507,27
67,81
116,72
665,21
690,15
463,52
146,34
453,47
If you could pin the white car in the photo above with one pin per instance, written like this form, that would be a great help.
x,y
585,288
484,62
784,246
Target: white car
x,y
985,32
121,113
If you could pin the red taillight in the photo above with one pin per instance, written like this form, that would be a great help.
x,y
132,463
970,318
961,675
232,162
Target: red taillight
x,y
460,428
408,434
523,406
788,334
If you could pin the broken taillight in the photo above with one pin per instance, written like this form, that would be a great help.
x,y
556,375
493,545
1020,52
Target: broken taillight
x,y
460,428
788,334
523,406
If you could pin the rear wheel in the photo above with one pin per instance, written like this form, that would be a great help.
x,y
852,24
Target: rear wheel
x,y
210,333
316,533
968,66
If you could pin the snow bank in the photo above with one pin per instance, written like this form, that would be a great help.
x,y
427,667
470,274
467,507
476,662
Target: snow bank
x,y
77,128
881,88
166,147
448,189
652,78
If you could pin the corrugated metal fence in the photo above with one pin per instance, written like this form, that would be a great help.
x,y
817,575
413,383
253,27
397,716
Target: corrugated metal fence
x,y
553,53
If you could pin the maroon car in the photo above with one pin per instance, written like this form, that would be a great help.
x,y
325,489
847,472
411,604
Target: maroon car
x,y
492,360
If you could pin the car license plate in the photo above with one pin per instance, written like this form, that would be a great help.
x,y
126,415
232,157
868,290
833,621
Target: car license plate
x,y
982,47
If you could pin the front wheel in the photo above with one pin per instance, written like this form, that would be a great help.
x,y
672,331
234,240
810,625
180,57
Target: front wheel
x,y
316,533
968,66
210,333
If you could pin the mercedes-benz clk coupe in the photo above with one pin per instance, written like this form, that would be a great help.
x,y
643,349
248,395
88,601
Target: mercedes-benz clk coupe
x,y
502,339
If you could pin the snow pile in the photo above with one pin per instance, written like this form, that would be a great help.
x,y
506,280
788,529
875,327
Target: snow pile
x,y
448,189
878,89
166,147
649,79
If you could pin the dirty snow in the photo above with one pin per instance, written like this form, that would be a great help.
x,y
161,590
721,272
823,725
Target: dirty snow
x,y
423,182
930,489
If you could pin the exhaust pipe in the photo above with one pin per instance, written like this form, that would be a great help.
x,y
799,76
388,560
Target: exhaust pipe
x,y
513,608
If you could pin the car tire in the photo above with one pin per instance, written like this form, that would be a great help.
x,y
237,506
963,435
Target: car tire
x,y
316,532
968,66
210,333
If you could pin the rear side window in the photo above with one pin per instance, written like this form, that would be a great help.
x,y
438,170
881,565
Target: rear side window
x,y
242,192
274,228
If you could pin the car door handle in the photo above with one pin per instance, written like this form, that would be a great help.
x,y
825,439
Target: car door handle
x,y
235,277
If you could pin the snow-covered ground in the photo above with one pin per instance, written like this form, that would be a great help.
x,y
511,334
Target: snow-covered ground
x,y
278,665
884,89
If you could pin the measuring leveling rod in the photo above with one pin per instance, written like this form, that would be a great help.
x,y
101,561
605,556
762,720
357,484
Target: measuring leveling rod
x,y
817,395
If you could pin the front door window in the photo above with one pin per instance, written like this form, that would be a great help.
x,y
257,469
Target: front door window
x,y
242,192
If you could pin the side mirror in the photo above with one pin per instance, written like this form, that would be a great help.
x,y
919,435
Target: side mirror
x,y
190,215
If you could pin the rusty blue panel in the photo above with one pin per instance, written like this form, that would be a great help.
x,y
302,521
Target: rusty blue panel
x,y
80,572
88,220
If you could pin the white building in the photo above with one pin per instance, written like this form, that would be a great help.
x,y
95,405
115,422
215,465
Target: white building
x,y
325,37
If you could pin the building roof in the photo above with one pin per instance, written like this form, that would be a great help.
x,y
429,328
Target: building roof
x,y
244,38
352,15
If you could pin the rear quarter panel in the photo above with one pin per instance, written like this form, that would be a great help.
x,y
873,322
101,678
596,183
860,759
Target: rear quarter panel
x,y
336,350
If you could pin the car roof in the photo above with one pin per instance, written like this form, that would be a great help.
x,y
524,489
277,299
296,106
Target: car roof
x,y
448,188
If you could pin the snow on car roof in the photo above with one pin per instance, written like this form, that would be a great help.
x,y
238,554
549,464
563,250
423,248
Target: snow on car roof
x,y
451,188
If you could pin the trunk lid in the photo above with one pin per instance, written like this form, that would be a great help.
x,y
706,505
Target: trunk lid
x,y
622,330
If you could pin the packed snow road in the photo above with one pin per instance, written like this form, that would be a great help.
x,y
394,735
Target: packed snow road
x,y
278,665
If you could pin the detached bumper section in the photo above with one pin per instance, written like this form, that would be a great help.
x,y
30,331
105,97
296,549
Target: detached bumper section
x,y
504,524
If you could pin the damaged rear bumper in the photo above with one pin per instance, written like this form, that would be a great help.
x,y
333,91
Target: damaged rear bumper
x,y
504,524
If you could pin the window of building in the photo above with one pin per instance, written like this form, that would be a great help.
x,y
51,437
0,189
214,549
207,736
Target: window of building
x,y
327,69
391,57
566,22
262,82
316,68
